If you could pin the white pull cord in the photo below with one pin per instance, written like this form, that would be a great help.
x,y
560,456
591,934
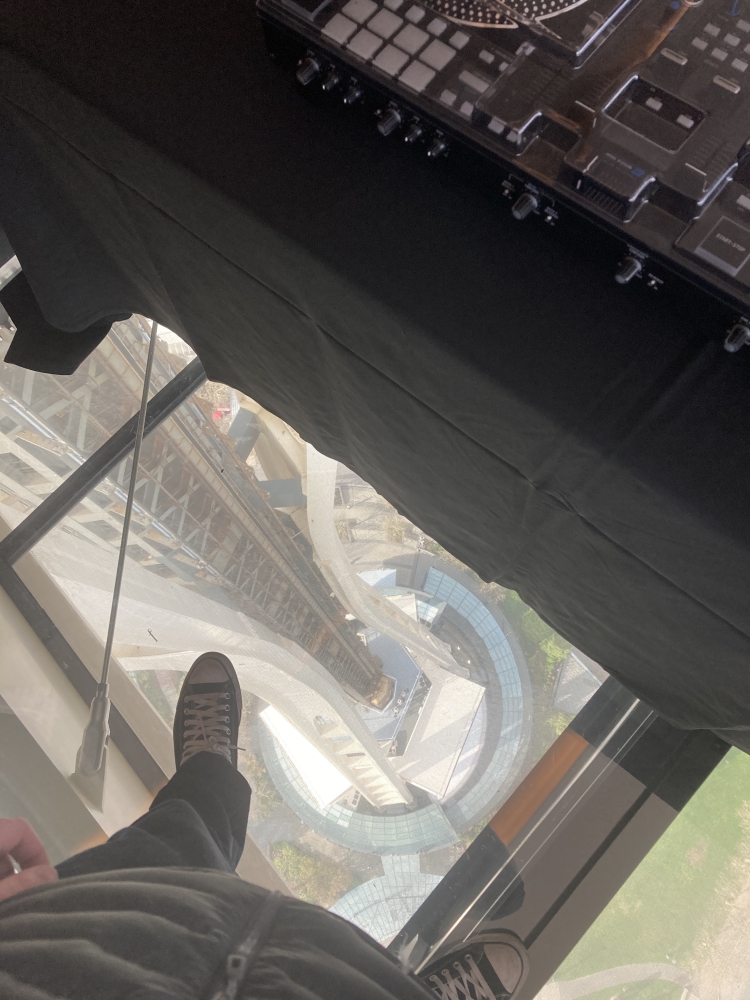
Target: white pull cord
x,y
91,757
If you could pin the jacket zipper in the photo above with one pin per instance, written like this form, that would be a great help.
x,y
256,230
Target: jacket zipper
x,y
238,961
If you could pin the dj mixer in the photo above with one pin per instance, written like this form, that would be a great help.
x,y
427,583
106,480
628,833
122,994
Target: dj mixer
x,y
633,113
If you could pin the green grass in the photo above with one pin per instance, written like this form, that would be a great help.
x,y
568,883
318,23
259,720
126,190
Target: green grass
x,y
677,899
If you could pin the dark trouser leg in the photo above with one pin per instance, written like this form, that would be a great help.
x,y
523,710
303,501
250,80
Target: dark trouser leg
x,y
198,820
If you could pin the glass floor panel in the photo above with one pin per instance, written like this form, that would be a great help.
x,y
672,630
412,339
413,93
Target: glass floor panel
x,y
50,424
392,699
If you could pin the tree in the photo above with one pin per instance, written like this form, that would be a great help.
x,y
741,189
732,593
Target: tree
x,y
265,798
313,879
537,630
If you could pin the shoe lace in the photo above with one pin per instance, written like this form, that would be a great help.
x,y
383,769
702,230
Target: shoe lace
x,y
206,725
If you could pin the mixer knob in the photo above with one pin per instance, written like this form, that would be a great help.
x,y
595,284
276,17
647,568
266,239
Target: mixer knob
x,y
524,205
353,94
628,268
307,69
737,337
438,148
389,121
331,80
414,133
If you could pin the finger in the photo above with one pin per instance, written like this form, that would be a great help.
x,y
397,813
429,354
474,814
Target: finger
x,y
17,838
6,866
26,879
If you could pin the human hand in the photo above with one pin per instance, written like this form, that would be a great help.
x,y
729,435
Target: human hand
x,y
19,843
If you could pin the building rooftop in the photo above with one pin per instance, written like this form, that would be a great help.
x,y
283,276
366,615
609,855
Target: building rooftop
x,y
325,782
441,731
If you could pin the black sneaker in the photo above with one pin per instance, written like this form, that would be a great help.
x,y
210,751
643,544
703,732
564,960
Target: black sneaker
x,y
490,966
209,710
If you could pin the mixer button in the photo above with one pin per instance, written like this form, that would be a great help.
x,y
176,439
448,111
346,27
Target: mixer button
x,y
417,76
411,39
385,23
730,85
727,246
458,39
359,10
437,55
339,29
390,60
473,81
678,57
365,44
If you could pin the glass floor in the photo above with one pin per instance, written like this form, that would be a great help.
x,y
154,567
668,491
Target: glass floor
x,y
392,699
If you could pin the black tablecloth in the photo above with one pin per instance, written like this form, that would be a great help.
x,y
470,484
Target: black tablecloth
x,y
582,443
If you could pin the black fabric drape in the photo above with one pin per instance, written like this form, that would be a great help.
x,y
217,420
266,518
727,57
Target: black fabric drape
x,y
582,443
6,250
37,344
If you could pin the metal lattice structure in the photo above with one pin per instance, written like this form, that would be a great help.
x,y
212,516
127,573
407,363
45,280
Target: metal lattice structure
x,y
200,516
